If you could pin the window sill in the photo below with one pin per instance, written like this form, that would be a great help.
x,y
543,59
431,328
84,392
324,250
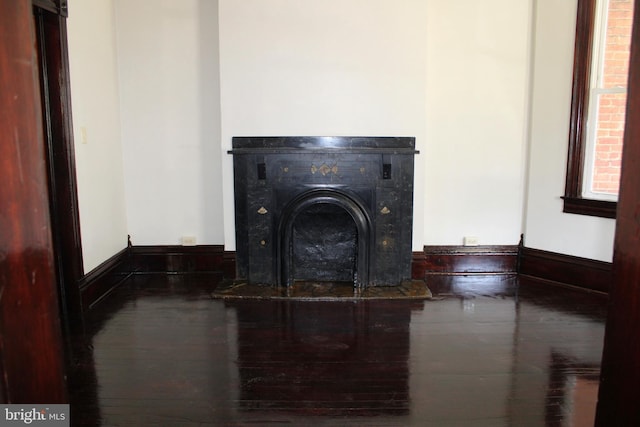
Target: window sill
x,y
591,207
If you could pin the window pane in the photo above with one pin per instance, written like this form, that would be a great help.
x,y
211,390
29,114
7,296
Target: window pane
x,y
607,104
617,42
608,144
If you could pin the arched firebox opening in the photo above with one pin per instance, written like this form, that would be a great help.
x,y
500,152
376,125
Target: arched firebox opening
x,y
324,235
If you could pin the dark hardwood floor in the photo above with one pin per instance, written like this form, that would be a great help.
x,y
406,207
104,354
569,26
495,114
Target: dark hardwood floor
x,y
486,351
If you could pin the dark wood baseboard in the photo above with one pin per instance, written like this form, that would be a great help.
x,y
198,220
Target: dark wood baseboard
x,y
543,266
102,280
435,260
565,270
182,259
229,264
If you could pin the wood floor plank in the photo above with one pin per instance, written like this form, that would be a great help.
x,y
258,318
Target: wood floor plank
x,y
486,351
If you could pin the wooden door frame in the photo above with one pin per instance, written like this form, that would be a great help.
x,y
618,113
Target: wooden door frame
x,y
51,33
617,397
32,368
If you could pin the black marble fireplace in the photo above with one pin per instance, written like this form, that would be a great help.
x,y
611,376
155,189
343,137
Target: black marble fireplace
x,y
325,209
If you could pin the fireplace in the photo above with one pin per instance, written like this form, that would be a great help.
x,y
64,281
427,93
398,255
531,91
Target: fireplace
x,y
323,209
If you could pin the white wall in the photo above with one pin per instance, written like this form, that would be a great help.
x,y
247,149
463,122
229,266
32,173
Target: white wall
x,y
333,67
477,88
168,68
546,227
456,74
442,71
95,104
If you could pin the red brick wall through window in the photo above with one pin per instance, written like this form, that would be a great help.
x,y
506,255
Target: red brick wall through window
x,y
611,108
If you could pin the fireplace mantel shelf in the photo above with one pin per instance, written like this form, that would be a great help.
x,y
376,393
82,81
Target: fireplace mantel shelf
x,y
322,150
323,144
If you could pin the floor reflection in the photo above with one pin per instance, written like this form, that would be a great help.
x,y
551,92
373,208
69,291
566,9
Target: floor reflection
x,y
328,358
572,393
485,351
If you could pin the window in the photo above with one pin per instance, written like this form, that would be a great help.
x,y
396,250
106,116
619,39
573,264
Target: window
x,y
601,62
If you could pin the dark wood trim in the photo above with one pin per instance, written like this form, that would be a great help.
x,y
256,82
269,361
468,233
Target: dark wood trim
x,y
418,265
565,269
229,265
618,394
181,259
102,280
543,266
583,47
52,46
49,5
573,200
536,264
32,355
464,260
58,7
591,207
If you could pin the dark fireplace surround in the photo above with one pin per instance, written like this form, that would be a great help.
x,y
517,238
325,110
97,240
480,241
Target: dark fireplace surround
x,y
323,209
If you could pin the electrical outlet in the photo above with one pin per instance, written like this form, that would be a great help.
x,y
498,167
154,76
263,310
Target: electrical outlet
x,y
470,241
83,135
188,240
